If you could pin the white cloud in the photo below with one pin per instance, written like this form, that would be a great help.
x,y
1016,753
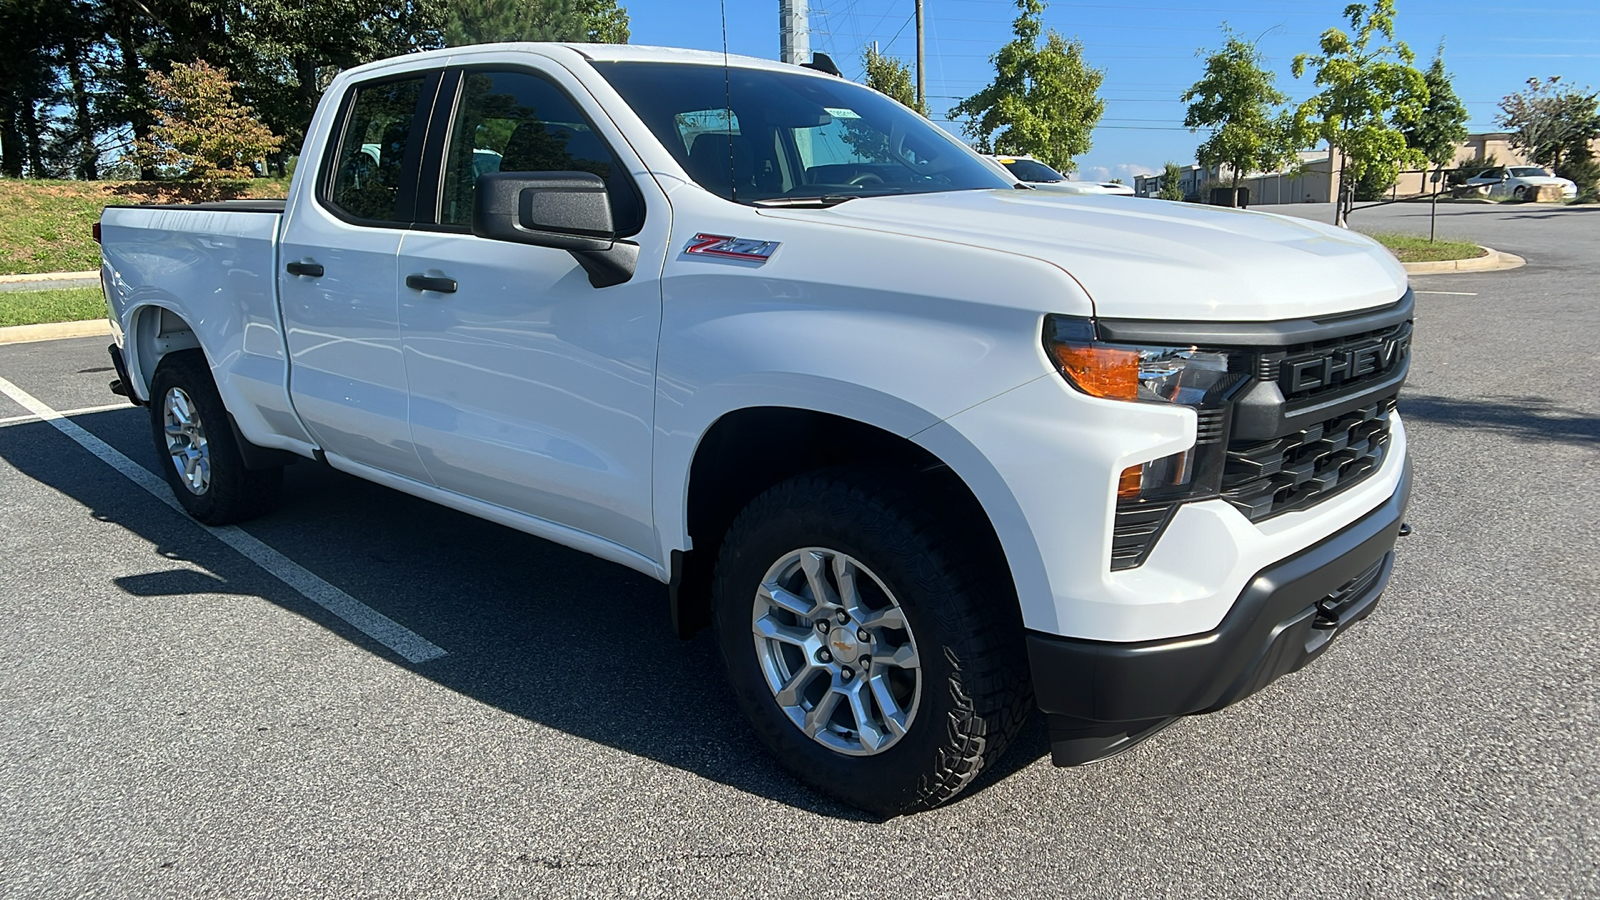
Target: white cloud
x,y
1125,171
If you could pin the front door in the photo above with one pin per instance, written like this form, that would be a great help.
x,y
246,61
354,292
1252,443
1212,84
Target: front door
x,y
531,389
339,256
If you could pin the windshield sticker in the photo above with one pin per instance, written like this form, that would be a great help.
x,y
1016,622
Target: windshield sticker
x,y
838,113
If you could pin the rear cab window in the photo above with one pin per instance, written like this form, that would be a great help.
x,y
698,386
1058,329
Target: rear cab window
x,y
370,177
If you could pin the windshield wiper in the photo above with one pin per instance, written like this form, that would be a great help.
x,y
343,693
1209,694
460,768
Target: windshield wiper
x,y
822,202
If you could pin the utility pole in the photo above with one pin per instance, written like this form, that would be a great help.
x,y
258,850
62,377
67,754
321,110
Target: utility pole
x,y
922,90
794,31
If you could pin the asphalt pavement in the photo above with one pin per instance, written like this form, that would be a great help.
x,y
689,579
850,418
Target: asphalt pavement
x,y
176,721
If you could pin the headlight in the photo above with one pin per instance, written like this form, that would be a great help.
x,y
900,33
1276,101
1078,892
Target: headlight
x,y
1186,376
1183,375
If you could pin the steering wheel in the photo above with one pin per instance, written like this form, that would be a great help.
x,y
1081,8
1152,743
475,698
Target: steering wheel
x,y
866,178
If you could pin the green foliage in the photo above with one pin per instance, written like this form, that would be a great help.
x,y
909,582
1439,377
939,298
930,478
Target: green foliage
x,y
1414,248
889,75
1554,124
1441,128
1236,98
1369,93
1171,176
1043,100
487,21
1374,184
201,132
39,307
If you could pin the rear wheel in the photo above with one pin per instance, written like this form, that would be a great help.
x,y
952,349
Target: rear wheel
x,y
875,656
196,444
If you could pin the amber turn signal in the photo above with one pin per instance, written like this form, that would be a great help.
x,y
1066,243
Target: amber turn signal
x,y
1129,485
1100,371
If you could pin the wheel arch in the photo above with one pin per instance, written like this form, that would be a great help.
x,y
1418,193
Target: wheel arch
x,y
736,459
154,330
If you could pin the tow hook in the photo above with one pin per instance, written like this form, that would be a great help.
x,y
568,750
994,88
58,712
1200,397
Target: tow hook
x,y
1405,529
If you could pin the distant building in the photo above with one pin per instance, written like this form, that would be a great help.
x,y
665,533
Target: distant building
x,y
1316,180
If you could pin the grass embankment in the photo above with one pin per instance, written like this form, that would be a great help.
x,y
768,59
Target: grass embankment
x,y
45,226
1410,248
36,307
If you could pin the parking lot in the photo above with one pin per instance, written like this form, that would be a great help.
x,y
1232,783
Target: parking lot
x,y
176,718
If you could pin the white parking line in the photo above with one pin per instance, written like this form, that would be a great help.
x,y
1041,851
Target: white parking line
x,y
30,417
402,640
1451,293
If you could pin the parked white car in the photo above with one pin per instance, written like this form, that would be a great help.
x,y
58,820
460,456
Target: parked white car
x,y
1519,182
1037,174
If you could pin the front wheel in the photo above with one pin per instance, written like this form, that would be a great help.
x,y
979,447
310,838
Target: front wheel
x,y
1520,193
199,454
875,656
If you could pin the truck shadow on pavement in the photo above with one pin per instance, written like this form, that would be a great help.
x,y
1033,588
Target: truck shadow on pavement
x,y
1528,418
531,628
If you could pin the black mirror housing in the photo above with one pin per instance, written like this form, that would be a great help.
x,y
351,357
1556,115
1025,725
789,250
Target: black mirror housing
x,y
561,210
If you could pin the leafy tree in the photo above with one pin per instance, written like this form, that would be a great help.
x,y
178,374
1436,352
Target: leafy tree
x,y
1441,128
1043,100
888,75
1235,98
1555,124
1171,178
201,131
1369,93
487,21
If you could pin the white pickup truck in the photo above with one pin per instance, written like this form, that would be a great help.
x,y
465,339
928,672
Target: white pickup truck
x,y
928,448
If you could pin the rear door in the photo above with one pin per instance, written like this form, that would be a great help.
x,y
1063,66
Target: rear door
x,y
530,388
339,274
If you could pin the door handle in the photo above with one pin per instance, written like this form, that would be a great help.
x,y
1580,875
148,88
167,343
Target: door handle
x,y
310,270
431,283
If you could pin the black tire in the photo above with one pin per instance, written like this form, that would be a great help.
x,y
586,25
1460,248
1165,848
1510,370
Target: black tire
x,y
1519,194
234,493
975,692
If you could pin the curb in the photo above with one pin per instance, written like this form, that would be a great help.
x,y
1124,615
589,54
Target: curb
x,y
50,276
48,281
1492,261
53,331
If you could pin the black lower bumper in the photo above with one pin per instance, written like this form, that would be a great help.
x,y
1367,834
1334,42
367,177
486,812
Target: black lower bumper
x,y
1103,697
121,386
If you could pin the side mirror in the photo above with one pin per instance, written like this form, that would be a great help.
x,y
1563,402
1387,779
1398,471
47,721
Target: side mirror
x,y
561,210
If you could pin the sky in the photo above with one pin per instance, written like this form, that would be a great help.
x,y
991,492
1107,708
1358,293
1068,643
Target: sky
x,y
1149,51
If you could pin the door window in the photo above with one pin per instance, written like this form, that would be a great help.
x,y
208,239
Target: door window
x,y
373,154
519,122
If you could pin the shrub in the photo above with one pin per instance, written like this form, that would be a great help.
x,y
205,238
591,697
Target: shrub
x,y
201,132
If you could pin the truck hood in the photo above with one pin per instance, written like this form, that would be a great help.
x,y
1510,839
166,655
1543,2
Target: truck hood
x,y
1142,258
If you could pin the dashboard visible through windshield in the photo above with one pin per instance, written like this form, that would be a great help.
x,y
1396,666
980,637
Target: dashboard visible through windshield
x,y
758,136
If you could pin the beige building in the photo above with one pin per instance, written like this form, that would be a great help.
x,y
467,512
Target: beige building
x,y
1315,180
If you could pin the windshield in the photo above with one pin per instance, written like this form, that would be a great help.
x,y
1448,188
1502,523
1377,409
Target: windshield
x,y
1029,170
1528,172
790,136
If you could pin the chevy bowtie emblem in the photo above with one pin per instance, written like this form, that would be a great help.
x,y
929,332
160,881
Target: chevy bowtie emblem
x,y
731,247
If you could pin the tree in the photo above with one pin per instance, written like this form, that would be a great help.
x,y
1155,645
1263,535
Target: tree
x,y
1171,182
1441,128
1043,100
1235,99
201,131
1370,93
487,21
1554,125
888,75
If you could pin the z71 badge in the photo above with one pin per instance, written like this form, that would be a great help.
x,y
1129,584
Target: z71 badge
x,y
731,247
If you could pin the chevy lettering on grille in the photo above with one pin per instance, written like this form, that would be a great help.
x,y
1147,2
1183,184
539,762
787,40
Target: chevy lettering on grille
x,y
1350,362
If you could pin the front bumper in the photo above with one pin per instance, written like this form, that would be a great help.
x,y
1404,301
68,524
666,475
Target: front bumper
x,y
1102,697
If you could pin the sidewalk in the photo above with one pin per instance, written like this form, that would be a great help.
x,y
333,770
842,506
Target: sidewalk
x,y
49,281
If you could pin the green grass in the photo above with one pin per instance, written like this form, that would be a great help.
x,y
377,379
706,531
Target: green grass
x,y
34,307
45,226
1410,248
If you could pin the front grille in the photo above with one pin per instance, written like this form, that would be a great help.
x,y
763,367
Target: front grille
x,y
1311,371
1135,532
1266,478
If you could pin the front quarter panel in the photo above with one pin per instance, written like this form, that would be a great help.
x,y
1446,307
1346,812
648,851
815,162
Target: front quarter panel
x,y
893,331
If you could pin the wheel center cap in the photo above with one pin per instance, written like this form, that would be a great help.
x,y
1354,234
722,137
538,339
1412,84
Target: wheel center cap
x,y
844,645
